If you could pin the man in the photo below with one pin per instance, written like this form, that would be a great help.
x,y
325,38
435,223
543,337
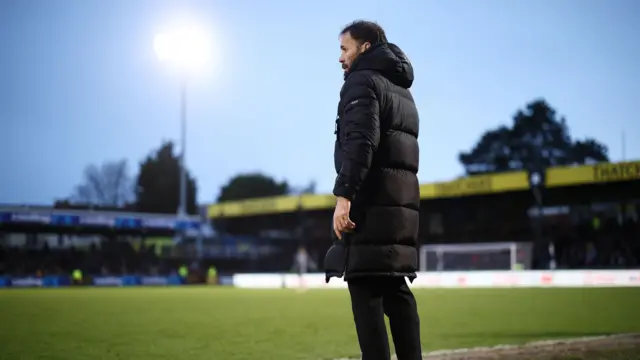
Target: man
x,y
302,263
377,190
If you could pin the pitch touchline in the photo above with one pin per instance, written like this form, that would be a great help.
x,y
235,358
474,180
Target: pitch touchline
x,y
533,344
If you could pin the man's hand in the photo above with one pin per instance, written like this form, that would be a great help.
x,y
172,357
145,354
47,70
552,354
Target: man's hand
x,y
341,221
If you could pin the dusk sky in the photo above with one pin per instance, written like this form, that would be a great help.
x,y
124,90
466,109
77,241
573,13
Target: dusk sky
x,y
80,82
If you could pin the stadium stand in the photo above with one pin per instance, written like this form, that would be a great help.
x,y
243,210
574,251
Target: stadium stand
x,y
574,218
581,209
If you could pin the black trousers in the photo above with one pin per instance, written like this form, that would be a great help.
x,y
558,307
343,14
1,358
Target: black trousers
x,y
371,299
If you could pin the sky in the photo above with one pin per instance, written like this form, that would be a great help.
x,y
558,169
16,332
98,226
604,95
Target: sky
x,y
80,82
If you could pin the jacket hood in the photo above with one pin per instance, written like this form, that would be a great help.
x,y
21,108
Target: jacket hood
x,y
389,61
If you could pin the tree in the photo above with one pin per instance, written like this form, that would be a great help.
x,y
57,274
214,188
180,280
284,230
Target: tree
x,y
158,183
310,188
537,139
107,185
252,185
247,186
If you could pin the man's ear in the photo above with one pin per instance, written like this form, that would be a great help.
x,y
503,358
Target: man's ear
x,y
366,46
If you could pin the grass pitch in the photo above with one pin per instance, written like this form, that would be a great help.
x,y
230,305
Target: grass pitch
x,y
233,324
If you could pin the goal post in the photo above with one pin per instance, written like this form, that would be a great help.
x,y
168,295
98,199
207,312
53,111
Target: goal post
x,y
476,256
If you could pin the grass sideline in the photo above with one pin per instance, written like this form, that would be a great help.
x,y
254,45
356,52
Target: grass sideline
x,y
233,324
617,346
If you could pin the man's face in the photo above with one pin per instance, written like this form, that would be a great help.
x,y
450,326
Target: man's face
x,y
349,50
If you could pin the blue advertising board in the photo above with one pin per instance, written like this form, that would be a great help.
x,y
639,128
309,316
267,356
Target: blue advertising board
x,y
60,281
99,219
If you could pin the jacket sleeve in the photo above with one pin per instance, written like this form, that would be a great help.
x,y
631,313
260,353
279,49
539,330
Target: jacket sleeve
x,y
361,135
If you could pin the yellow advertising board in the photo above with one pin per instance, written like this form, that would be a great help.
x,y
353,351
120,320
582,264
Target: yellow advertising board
x,y
271,205
473,185
589,174
249,207
476,185
317,202
468,186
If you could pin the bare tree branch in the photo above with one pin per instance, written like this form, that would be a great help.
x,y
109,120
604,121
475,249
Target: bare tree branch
x,y
108,185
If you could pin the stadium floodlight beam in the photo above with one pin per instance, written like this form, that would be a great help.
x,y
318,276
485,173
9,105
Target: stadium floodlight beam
x,y
186,48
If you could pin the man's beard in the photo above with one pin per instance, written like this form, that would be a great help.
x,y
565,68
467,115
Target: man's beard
x,y
345,67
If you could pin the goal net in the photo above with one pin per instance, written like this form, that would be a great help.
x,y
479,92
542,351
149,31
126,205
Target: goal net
x,y
478,256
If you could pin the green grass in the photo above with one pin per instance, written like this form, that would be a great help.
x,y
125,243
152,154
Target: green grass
x,y
231,324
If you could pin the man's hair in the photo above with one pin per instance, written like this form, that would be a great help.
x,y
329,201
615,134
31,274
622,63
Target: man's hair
x,y
365,31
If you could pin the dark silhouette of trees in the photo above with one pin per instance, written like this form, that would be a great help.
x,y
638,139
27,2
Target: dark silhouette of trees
x,y
109,185
310,188
247,186
537,139
254,185
158,183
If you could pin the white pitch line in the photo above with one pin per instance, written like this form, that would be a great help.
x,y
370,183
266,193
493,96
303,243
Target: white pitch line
x,y
533,344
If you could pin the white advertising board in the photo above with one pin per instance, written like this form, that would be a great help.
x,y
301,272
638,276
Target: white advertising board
x,y
478,279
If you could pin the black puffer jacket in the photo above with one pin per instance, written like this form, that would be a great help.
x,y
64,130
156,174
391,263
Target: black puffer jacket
x,y
376,158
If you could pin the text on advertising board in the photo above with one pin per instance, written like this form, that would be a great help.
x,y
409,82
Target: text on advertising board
x,y
616,172
467,186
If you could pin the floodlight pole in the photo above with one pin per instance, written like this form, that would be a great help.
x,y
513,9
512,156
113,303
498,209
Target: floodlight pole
x,y
182,207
